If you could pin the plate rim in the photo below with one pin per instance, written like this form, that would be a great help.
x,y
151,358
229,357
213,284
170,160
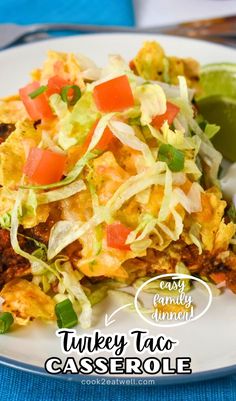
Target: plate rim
x,y
112,34
158,380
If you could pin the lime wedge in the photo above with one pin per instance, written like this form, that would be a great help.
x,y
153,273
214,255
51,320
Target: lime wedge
x,y
218,79
221,110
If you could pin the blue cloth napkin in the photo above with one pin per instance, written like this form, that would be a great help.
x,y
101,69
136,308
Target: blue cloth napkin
x,y
21,386
104,12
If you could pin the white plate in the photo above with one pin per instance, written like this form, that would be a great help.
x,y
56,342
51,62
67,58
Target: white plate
x,y
209,341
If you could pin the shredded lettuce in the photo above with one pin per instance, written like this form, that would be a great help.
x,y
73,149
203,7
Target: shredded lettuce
x,y
65,140
171,91
138,238
29,206
116,66
94,196
212,158
194,196
132,115
5,220
126,135
165,205
179,140
14,232
191,168
47,142
173,235
178,224
65,232
98,132
74,126
190,202
61,193
140,247
183,89
211,130
145,226
59,107
144,196
71,283
152,101
194,234
98,295
136,184
232,212
187,123
156,134
89,69
149,224
41,254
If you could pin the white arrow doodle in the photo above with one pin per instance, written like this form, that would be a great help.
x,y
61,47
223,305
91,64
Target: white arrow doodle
x,y
108,320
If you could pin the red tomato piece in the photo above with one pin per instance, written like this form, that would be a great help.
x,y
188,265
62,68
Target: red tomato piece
x,y
44,166
218,277
114,95
117,234
55,85
106,139
37,108
170,114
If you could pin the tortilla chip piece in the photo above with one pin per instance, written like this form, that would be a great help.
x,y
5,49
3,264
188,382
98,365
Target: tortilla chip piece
x,y
215,234
66,65
12,153
26,301
149,62
224,235
12,110
152,63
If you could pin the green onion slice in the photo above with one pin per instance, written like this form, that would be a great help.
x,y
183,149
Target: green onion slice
x,y
38,92
70,100
66,316
232,213
172,156
6,320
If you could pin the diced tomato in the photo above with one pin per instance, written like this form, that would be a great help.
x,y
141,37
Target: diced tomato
x,y
55,85
170,114
106,139
113,95
44,166
117,234
37,108
218,277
